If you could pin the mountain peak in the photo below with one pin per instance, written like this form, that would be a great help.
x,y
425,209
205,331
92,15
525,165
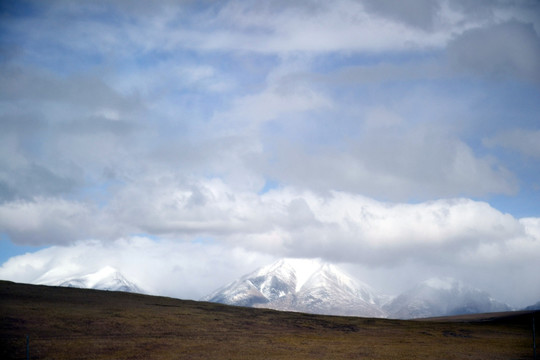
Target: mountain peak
x,y
297,270
103,274
106,278
314,286
307,285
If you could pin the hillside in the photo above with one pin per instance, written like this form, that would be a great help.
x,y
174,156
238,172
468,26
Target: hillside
x,y
67,323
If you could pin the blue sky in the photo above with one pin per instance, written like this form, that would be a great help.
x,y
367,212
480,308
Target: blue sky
x,y
392,137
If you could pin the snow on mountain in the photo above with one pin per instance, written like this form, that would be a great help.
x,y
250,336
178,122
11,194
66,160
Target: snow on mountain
x,y
302,285
106,278
441,297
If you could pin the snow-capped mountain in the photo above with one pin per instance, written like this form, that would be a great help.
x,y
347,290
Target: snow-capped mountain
x,y
441,297
106,278
302,285
316,287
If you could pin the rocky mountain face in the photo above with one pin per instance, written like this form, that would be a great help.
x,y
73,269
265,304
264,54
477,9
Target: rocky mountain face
x,y
107,278
302,285
313,286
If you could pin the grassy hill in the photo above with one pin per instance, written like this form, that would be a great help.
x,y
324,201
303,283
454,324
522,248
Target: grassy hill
x,y
67,323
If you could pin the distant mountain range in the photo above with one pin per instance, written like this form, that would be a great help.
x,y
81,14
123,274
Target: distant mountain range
x,y
442,297
316,287
106,278
302,285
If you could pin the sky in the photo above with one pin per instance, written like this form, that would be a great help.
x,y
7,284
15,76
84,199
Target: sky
x,y
187,143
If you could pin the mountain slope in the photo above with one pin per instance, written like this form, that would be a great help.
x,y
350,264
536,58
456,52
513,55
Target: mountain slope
x,y
107,278
302,285
442,297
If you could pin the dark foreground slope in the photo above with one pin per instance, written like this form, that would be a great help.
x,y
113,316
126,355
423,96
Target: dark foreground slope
x,y
67,323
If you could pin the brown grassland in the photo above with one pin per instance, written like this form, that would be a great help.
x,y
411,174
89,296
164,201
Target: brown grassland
x,y
67,323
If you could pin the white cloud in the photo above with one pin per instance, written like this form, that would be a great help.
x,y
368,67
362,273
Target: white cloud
x,y
396,164
111,121
249,113
284,222
507,269
51,221
339,26
158,81
276,27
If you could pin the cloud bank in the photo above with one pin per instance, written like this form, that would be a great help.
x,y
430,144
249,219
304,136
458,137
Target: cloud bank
x,y
210,218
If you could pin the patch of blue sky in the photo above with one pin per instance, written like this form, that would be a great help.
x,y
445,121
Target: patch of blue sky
x,y
152,237
496,110
520,205
60,58
152,58
9,249
20,8
269,184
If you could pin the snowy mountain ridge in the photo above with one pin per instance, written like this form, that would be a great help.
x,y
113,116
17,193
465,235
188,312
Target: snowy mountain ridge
x,y
106,278
314,286
311,286
301,285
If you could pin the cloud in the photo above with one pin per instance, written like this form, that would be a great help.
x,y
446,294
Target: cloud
x,y
507,50
526,142
416,13
60,132
312,27
249,113
194,269
248,26
338,226
119,114
352,228
277,27
389,158
51,221
357,229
